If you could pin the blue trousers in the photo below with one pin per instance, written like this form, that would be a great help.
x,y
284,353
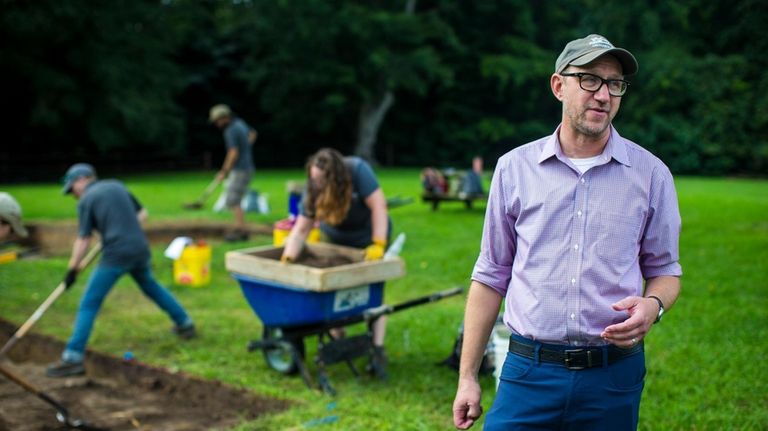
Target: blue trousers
x,y
100,284
534,395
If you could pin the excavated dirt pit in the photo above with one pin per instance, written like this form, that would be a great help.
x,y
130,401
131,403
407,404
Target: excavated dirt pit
x,y
56,238
117,394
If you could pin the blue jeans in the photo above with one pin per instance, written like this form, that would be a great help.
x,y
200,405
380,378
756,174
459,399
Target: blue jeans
x,y
534,395
100,284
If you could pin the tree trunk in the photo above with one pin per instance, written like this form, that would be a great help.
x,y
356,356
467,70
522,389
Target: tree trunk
x,y
372,114
369,122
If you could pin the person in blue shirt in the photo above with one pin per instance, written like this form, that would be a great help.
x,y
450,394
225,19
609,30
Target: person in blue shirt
x,y
107,207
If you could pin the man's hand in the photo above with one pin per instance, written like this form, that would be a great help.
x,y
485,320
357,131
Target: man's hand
x,y
375,251
642,313
70,277
221,175
466,405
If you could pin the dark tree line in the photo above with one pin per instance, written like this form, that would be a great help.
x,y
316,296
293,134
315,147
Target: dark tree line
x,y
127,84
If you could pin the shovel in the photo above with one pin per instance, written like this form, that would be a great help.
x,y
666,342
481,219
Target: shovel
x,y
62,415
48,302
196,205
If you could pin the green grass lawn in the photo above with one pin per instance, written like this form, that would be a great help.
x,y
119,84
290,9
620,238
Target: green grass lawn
x,y
706,361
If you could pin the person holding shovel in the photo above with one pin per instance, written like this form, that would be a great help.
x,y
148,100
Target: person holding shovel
x,y
237,166
108,207
344,195
581,241
10,217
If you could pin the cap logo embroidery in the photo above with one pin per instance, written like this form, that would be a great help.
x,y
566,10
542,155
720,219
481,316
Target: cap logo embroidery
x,y
599,42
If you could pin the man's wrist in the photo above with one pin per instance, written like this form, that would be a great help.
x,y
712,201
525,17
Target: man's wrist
x,y
660,310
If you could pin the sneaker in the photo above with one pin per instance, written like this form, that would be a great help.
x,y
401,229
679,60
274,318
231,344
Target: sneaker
x,y
185,332
65,369
236,235
378,365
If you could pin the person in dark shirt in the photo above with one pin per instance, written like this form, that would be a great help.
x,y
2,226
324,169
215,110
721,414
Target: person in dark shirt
x,y
238,164
345,197
108,207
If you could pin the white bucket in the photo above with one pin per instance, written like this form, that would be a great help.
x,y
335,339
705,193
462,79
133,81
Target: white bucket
x,y
500,341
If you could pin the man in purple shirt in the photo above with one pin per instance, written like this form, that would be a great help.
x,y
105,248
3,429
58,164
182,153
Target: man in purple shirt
x,y
581,241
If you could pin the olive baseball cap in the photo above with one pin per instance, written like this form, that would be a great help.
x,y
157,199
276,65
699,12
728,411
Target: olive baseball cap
x,y
10,212
583,51
219,111
78,170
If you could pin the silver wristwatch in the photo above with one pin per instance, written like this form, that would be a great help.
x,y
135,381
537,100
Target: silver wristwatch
x,y
661,308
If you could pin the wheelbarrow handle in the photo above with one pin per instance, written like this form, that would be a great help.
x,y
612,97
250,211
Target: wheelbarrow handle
x,y
383,309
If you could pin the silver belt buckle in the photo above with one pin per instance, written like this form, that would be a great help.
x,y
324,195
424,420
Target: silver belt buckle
x,y
569,359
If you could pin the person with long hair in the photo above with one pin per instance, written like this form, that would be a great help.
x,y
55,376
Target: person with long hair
x,y
344,195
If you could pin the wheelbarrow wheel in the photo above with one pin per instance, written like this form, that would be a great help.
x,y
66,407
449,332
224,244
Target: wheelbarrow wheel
x,y
281,358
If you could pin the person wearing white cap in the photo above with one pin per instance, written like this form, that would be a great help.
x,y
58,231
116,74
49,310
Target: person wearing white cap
x,y
10,217
581,242
238,163
107,207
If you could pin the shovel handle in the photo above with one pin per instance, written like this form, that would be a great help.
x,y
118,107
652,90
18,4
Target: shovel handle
x,y
211,187
48,302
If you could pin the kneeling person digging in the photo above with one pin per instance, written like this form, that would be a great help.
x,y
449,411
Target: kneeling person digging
x,y
108,207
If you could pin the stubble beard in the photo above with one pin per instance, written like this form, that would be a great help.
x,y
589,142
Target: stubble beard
x,y
580,123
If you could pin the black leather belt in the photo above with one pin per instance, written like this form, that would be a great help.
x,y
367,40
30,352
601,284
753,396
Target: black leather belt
x,y
574,359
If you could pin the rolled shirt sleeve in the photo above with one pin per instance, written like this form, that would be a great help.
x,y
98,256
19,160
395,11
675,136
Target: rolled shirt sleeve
x,y
659,248
497,248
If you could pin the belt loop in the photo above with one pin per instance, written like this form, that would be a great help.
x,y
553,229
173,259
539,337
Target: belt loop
x,y
605,356
537,353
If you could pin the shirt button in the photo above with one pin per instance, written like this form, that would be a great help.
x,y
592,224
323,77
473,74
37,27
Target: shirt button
x,y
576,247
573,316
583,181
573,281
576,343
578,213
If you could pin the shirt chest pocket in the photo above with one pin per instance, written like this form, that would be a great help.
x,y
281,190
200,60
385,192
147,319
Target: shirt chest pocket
x,y
617,238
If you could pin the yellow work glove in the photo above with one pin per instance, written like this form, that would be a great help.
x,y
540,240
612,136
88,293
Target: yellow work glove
x,y
375,251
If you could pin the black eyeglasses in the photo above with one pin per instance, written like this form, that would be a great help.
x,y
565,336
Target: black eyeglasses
x,y
593,83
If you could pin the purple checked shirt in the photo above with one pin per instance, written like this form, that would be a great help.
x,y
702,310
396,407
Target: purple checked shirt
x,y
562,246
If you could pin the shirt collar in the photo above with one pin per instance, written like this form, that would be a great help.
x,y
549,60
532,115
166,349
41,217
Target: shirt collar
x,y
616,148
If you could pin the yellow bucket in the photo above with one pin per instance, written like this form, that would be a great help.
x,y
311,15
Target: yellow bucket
x,y
283,228
193,268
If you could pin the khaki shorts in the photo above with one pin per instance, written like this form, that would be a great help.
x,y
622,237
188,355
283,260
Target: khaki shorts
x,y
238,182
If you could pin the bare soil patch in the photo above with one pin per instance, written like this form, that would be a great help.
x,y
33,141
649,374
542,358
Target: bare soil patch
x,y
117,394
55,238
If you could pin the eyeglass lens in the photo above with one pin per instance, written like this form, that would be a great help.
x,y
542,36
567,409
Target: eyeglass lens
x,y
591,82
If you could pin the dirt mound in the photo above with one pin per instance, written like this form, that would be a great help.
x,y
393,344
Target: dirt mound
x,y
55,238
118,394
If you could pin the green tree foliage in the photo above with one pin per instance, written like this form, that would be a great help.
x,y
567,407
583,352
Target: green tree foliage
x,y
88,79
130,81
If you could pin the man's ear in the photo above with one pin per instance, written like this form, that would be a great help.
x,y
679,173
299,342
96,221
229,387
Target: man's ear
x,y
556,84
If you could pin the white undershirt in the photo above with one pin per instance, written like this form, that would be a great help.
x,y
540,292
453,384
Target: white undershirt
x,y
584,165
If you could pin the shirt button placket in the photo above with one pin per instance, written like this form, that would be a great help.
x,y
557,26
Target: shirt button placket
x,y
577,229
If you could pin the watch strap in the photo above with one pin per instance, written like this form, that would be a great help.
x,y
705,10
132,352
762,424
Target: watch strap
x,y
661,307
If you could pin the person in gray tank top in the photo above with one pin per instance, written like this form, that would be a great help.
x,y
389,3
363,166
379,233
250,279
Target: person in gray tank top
x,y
110,209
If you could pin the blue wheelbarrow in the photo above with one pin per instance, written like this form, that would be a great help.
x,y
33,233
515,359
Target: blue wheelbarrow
x,y
290,314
